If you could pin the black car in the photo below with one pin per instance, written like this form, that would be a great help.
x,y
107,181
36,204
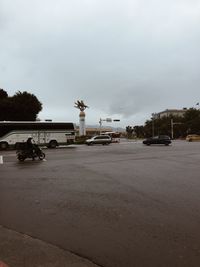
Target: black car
x,y
160,139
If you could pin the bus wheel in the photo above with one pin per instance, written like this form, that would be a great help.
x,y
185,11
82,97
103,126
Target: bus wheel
x,y
3,145
53,144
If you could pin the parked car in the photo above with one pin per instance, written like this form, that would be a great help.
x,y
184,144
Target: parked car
x,y
192,137
99,139
160,139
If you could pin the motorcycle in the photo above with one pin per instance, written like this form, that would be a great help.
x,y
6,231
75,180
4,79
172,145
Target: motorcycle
x,y
24,153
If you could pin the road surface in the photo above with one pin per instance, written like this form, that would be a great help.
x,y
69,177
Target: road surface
x,y
121,205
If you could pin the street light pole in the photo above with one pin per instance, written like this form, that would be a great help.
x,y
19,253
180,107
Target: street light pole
x,y
172,129
153,132
100,125
153,126
107,120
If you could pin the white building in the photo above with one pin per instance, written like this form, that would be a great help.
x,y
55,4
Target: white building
x,y
169,112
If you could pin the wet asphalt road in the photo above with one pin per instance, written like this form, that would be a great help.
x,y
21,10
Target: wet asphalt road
x,y
122,205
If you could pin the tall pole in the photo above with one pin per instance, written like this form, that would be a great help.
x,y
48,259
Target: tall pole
x,y
100,125
153,127
82,130
172,129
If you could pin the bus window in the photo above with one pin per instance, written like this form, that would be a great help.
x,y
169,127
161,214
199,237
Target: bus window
x,y
50,134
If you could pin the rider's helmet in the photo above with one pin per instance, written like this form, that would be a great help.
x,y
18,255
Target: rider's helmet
x,y
29,139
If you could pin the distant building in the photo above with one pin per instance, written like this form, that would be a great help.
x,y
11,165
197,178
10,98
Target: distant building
x,y
169,113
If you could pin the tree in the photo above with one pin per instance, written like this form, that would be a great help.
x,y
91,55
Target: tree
x,y
3,94
4,105
148,128
26,106
23,106
139,131
191,121
162,126
188,124
129,131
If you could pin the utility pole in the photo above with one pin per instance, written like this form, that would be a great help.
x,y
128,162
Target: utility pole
x,y
153,131
153,123
107,120
172,127
100,123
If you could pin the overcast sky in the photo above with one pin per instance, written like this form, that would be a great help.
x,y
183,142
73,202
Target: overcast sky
x,y
125,58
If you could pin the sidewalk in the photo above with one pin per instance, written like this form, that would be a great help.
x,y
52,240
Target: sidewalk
x,y
18,250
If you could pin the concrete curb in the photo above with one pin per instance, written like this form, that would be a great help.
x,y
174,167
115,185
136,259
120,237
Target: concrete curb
x,y
19,250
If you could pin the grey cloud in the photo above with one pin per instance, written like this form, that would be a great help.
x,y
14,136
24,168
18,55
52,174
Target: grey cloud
x,y
143,55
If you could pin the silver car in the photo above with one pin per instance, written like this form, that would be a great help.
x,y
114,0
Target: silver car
x,y
99,139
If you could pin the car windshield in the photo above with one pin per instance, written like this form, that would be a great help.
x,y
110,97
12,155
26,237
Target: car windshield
x,y
164,136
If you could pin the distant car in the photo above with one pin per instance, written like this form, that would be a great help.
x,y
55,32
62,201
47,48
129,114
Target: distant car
x,y
161,139
192,137
99,139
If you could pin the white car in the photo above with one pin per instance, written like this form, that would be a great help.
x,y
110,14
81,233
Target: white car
x,y
99,139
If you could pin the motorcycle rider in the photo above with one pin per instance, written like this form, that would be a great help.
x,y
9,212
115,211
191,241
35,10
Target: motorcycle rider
x,y
30,146
30,150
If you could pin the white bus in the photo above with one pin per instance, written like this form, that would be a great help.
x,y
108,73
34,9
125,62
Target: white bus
x,y
50,134
115,136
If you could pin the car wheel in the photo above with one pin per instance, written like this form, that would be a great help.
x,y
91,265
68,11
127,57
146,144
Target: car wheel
x,y
148,144
90,144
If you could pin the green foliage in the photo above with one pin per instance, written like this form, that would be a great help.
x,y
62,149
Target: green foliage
x,y
191,121
188,124
129,131
139,131
23,106
3,94
163,126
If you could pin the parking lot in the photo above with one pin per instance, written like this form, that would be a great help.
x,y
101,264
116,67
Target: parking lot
x,y
120,205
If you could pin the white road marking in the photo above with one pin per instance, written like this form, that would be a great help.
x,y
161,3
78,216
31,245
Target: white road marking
x,y
1,159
